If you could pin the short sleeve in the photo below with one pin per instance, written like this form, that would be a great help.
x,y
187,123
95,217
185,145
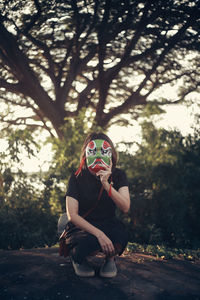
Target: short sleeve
x,y
72,189
120,179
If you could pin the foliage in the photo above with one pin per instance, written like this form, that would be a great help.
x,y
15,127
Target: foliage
x,y
18,141
109,57
26,218
164,176
31,204
163,252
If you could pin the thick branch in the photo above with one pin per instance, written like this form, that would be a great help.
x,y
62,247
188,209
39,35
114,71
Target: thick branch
x,y
83,96
133,100
103,86
50,71
76,67
22,121
26,77
16,88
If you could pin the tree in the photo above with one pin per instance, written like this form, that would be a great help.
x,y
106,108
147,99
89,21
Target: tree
x,y
109,56
27,219
164,178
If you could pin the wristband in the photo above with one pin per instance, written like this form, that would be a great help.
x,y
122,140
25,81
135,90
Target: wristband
x,y
110,192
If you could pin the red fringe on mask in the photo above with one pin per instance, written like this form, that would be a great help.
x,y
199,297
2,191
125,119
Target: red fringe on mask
x,y
80,166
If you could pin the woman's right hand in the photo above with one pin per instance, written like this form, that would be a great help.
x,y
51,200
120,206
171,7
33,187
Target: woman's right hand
x,y
106,244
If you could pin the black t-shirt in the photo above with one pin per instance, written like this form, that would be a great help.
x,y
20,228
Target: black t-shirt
x,y
85,189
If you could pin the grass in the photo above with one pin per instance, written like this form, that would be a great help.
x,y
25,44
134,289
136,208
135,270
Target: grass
x,y
163,252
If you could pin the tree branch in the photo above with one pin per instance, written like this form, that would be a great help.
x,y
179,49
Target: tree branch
x,y
171,42
133,100
32,88
83,96
31,126
51,70
12,87
76,67
103,86
112,72
34,18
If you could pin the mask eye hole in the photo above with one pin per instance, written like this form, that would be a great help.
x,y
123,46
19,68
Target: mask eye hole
x,y
91,152
106,152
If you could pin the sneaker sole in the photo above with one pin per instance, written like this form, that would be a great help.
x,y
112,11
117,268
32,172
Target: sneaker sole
x,y
82,274
108,275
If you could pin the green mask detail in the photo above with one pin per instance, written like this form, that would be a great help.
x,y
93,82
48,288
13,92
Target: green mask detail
x,y
98,155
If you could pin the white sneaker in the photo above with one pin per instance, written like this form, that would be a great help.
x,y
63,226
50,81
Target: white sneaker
x,y
108,269
83,270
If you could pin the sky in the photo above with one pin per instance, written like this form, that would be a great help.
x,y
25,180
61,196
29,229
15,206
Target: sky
x,y
176,117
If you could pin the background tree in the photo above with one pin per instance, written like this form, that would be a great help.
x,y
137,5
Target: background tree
x,y
164,175
27,218
109,56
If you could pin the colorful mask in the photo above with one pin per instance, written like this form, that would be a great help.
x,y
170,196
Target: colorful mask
x,y
98,155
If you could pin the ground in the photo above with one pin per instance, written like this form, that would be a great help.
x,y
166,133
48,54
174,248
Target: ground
x,y
40,274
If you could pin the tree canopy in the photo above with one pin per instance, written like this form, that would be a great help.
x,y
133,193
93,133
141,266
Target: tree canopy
x,y
109,57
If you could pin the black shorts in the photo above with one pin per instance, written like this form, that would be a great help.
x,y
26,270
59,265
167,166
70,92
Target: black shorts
x,y
83,244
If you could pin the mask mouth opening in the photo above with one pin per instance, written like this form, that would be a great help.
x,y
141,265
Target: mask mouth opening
x,y
97,168
99,162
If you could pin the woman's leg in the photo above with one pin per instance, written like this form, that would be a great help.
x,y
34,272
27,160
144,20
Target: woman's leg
x,y
117,233
85,246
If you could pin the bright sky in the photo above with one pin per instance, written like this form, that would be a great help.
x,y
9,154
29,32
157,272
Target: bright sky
x,y
176,117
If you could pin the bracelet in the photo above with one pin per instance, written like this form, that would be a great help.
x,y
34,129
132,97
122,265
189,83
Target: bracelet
x,y
109,193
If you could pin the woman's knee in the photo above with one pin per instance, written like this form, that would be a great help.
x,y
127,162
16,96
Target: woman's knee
x,y
85,247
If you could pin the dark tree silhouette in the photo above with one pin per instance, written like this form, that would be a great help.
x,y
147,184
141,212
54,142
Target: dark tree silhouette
x,y
109,56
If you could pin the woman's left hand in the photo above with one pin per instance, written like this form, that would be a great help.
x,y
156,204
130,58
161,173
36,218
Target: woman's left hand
x,y
105,174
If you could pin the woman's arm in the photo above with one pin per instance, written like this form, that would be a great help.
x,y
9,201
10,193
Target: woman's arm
x,y
73,216
120,197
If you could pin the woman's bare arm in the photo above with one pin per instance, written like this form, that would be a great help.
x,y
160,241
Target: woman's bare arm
x,y
120,197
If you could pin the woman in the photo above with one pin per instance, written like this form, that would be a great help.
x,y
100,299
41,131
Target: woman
x,y
93,194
